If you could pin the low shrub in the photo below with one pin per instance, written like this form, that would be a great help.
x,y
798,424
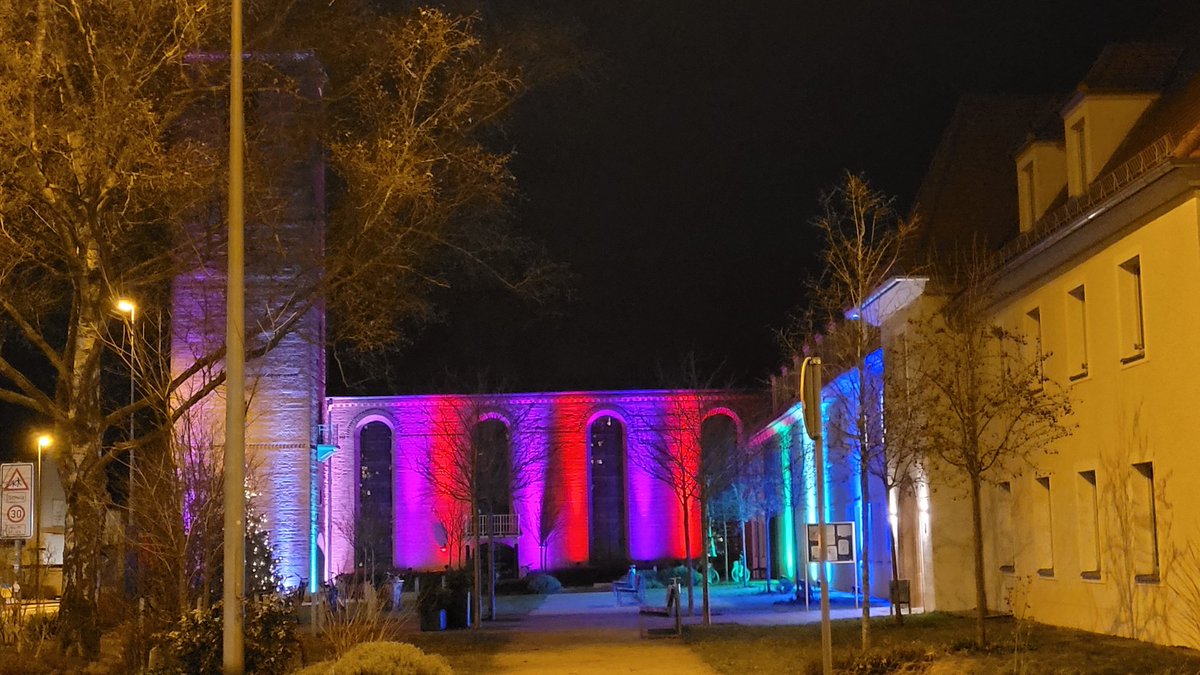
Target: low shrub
x,y
898,659
650,579
665,575
41,626
382,658
512,587
193,645
543,584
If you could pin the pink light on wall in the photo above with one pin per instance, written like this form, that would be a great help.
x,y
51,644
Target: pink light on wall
x,y
551,427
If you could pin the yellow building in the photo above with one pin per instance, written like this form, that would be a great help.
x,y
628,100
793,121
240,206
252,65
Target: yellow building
x,y
1100,533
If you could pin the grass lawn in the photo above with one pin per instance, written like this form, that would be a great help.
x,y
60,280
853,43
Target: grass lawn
x,y
938,643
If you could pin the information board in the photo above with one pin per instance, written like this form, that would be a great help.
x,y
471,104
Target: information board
x,y
839,543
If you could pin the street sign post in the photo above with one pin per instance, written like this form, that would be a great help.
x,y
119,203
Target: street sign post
x,y
16,501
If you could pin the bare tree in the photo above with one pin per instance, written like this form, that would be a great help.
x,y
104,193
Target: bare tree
x,y
111,171
899,465
475,463
550,521
697,455
748,495
987,406
453,517
863,241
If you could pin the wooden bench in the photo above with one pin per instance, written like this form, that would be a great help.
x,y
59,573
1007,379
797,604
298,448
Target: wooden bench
x,y
634,588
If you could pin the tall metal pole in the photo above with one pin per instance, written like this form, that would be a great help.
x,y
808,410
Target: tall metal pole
x,y
233,661
37,524
810,388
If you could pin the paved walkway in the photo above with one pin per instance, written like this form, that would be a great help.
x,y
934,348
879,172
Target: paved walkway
x,y
588,633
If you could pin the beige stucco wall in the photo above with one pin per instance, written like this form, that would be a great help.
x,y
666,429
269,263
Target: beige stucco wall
x,y
1144,411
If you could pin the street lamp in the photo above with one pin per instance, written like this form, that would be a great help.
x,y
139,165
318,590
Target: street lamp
x,y
129,308
43,441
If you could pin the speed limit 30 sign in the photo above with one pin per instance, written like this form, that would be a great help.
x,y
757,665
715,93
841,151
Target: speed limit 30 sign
x,y
16,501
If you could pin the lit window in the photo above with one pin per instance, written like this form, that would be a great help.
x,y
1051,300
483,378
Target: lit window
x,y
1146,563
1133,336
1089,525
1044,527
1077,334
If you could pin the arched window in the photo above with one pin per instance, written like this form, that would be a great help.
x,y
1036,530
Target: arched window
x,y
373,522
608,526
493,467
721,457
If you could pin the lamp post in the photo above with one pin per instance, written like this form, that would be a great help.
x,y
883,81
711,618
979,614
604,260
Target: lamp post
x,y
43,441
128,308
232,640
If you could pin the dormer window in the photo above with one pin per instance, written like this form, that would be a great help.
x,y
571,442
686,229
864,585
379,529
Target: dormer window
x,y
1041,177
1096,124
1077,174
1027,193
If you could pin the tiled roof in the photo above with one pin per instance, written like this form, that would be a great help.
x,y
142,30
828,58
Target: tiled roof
x,y
1176,113
970,189
1130,67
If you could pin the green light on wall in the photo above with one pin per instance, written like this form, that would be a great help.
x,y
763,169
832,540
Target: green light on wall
x,y
788,522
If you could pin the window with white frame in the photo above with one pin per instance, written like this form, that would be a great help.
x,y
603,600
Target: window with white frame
x,y
1025,188
1077,174
1077,346
1133,331
1087,506
1033,343
1043,526
1145,523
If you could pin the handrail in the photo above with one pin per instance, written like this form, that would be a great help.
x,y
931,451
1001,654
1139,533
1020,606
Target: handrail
x,y
1151,157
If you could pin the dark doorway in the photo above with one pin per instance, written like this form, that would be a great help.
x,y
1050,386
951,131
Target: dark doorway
x,y
608,527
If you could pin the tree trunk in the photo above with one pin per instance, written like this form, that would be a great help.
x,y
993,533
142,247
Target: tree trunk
x,y
865,561
477,582
706,544
767,541
491,570
745,558
687,549
892,536
81,561
725,548
977,547
86,491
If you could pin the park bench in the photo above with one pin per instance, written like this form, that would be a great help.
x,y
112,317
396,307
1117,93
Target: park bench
x,y
632,585
671,608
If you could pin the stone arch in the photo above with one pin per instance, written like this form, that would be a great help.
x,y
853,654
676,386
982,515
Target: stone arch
x,y
608,476
721,410
375,498
494,433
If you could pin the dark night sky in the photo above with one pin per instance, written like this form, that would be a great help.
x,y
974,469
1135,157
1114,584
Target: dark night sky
x,y
679,183
679,180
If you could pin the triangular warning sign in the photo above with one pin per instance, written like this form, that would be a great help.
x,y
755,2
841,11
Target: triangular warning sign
x,y
16,481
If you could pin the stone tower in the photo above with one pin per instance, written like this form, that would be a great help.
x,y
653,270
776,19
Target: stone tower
x,y
285,368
